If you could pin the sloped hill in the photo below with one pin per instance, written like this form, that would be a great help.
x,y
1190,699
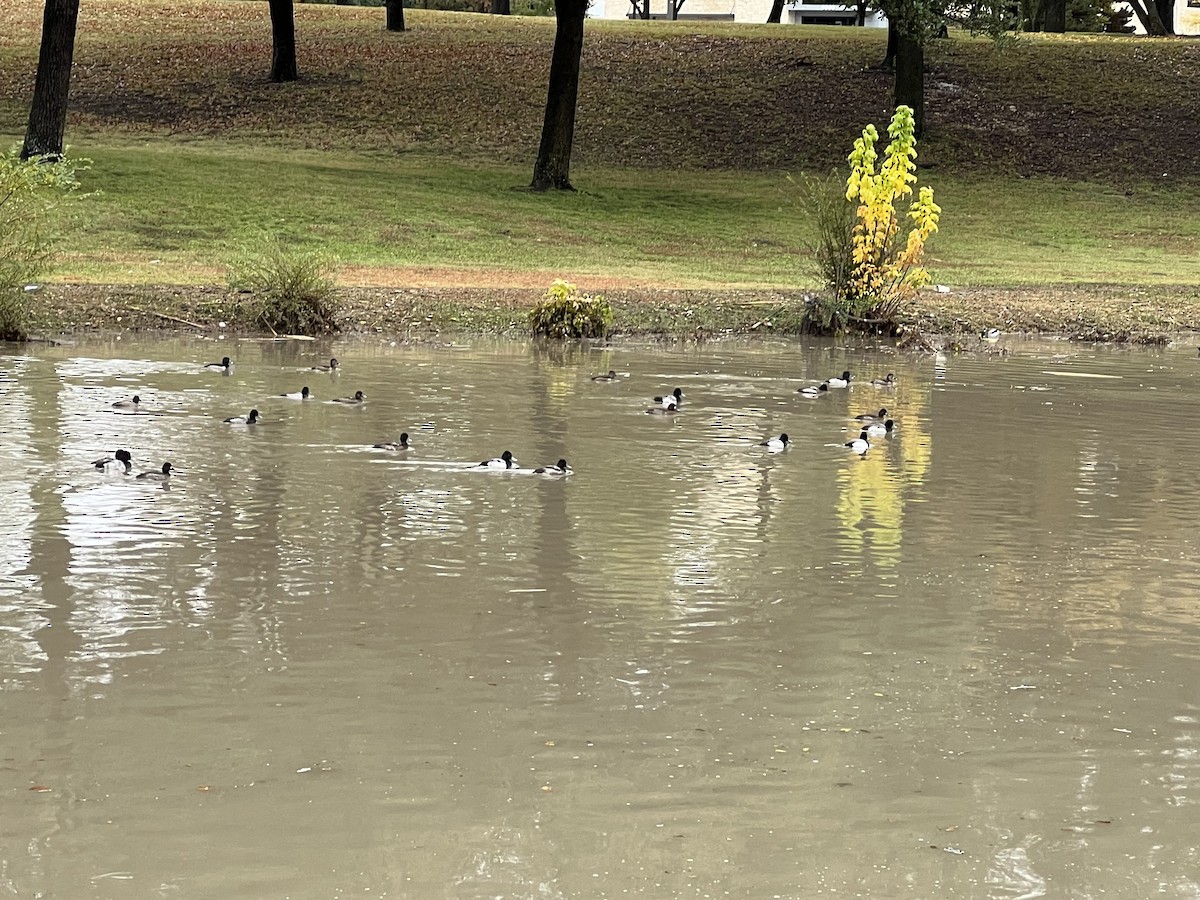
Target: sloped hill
x,y
653,95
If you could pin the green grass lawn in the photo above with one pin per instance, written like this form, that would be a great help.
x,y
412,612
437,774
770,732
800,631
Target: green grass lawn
x,y
178,214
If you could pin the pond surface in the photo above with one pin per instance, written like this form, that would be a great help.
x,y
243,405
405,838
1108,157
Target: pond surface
x,y
965,665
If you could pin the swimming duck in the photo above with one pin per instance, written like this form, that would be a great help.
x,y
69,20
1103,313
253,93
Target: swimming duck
x,y
609,376
121,456
873,417
775,445
813,391
302,394
163,475
332,367
357,398
560,468
674,398
225,365
888,380
128,404
251,419
503,461
668,410
842,382
860,444
401,444
880,429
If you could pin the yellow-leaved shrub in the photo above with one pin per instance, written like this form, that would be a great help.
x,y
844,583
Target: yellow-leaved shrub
x,y
887,260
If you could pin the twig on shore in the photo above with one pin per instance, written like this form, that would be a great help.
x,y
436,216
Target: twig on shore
x,y
148,312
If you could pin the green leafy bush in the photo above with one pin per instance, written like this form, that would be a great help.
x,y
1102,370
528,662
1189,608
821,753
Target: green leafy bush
x,y
14,316
291,291
832,218
31,192
565,313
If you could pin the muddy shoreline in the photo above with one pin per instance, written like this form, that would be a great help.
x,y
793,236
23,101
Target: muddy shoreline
x,y
1115,313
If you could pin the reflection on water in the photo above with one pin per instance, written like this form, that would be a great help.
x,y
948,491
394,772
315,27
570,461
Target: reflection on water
x,y
960,666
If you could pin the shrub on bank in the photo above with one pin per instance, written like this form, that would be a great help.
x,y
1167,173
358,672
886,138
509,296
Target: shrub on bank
x,y
31,192
290,291
869,264
565,313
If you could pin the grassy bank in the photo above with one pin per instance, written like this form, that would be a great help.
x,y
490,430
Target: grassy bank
x,y
177,214
403,155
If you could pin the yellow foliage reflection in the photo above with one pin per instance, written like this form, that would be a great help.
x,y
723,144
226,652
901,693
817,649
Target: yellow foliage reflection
x,y
872,490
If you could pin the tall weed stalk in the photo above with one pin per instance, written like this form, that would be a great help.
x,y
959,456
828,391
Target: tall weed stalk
x,y
290,291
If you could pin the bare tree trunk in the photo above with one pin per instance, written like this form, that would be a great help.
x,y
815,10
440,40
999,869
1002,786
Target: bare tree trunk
x,y
283,41
395,15
910,78
1149,16
1166,14
776,15
1037,17
1055,12
888,63
553,167
52,87
502,7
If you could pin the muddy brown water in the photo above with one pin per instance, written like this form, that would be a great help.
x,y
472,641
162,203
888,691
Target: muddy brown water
x,y
966,665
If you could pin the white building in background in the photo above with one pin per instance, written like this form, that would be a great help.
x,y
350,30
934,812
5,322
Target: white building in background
x,y
1187,17
817,12
806,12
755,12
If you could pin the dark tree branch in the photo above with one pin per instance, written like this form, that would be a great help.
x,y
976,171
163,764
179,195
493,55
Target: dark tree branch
x,y
1148,14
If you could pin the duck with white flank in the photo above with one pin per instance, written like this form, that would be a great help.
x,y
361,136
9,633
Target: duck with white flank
x,y
225,365
358,397
860,444
843,381
121,456
128,404
163,474
674,398
813,391
776,445
401,444
669,410
303,394
503,461
250,419
559,468
880,429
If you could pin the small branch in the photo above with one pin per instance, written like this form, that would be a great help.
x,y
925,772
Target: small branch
x,y
147,312
262,317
